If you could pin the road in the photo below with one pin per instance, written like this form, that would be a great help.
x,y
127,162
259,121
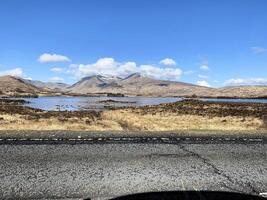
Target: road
x,y
101,168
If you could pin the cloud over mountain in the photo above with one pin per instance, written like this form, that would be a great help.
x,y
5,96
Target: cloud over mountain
x,y
203,83
250,81
110,67
13,72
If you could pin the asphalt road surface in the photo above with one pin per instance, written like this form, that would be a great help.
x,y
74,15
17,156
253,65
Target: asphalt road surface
x,y
102,168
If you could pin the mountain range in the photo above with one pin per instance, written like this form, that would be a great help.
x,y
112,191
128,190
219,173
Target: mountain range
x,y
134,85
47,85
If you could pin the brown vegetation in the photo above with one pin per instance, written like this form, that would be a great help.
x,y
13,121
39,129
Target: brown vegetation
x,y
185,115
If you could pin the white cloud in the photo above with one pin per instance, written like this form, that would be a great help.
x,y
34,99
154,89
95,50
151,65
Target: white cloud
x,y
27,78
56,79
167,61
204,67
57,69
189,72
12,72
202,76
160,73
17,72
103,66
250,81
46,57
258,50
127,68
203,83
109,67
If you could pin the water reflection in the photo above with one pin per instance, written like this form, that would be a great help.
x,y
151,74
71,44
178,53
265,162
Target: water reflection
x,y
100,103
93,103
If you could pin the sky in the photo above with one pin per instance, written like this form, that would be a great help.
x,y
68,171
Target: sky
x,y
204,42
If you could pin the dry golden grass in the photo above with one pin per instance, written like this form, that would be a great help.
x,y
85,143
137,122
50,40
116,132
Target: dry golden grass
x,y
125,120
11,122
170,122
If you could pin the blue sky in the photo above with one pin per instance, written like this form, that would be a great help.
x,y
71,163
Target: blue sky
x,y
203,42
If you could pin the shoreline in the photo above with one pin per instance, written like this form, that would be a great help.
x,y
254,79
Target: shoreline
x,y
127,95
176,117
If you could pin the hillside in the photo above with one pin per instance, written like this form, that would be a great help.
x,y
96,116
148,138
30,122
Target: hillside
x,y
136,85
139,85
10,85
47,85
133,85
236,92
95,84
243,91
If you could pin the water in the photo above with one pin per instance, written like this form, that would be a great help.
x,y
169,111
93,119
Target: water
x,y
93,103
236,100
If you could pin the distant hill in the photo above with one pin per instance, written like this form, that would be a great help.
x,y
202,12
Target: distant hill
x,y
139,85
133,85
47,85
11,85
248,91
95,84
136,85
